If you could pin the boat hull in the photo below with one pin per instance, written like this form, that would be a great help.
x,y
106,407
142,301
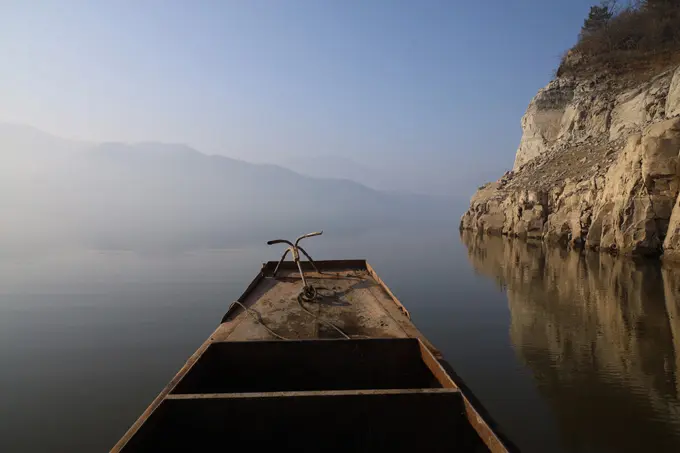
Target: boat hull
x,y
347,371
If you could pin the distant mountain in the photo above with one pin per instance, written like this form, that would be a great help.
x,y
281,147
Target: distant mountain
x,y
336,167
123,196
26,144
431,175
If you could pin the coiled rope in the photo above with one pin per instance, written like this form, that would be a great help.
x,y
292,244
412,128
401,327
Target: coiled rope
x,y
258,318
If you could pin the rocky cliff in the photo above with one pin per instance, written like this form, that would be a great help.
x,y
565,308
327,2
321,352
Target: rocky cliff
x,y
597,166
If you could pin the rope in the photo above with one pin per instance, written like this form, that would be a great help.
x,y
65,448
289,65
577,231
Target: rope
x,y
328,323
258,318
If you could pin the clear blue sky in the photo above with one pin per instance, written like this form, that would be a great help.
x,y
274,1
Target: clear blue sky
x,y
436,87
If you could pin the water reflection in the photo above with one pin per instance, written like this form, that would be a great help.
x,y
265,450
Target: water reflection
x,y
601,336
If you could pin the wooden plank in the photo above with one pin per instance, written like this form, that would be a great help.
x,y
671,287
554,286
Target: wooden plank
x,y
435,367
190,396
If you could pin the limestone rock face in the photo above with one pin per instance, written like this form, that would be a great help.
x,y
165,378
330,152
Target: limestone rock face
x,y
673,98
638,107
633,212
597,166
542,123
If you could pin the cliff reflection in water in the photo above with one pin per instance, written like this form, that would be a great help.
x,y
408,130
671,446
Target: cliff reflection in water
x,y
601,336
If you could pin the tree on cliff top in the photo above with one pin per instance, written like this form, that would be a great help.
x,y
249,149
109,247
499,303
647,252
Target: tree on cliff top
x,y
598,18
635,41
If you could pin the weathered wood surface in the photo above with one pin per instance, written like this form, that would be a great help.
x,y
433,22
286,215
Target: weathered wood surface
x,y
350,297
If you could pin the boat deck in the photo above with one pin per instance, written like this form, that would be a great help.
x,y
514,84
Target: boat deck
x,y
350,296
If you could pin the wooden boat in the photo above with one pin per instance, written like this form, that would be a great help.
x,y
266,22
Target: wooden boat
x,y
343,369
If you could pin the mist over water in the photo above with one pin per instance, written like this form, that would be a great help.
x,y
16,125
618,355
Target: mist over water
x,y
117,261
158,196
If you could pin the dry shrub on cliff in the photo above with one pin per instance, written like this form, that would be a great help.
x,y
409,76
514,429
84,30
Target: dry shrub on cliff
x,y
639,38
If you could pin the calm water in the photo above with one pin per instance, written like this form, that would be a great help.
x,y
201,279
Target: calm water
x,y
570,353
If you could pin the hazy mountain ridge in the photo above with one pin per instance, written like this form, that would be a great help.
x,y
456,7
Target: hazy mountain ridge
x,y
337,167
428,175
122,196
